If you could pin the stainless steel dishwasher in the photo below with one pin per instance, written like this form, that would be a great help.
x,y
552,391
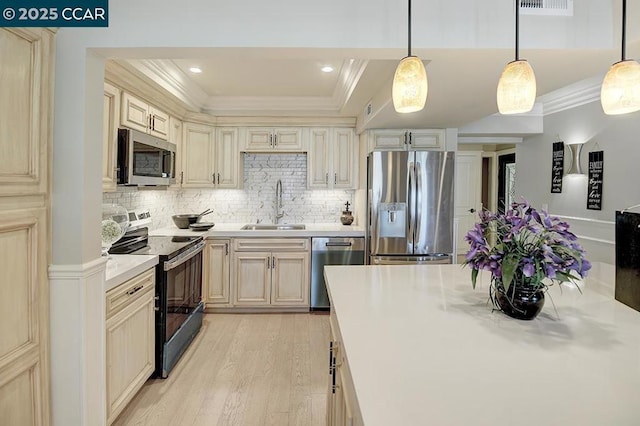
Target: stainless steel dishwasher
x,y
331,251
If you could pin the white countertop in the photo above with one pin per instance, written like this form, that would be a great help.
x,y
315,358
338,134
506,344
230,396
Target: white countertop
x,y
123,267
425,348
233,230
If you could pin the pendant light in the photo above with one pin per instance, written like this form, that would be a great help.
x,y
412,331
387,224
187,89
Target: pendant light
x,y
517,85
620,93
410,86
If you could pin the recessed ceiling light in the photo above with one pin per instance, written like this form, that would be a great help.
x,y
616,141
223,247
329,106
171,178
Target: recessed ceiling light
x,y
195,70
326,69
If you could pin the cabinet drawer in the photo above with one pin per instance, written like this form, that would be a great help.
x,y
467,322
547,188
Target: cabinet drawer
x,y
120,297
271,244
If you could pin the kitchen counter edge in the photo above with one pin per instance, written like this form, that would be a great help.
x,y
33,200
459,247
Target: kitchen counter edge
x,y
230,230
123,267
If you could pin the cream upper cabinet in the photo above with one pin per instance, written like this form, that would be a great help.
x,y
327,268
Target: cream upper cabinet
x,y
332,158
402,140
207,161
130,340
175,137
216,273
227,158
110,120
137,114
271,272
261,139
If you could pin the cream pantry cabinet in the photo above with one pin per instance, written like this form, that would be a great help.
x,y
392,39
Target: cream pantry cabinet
x,y
264,139
402,140
26,82
130,340
210,157
332,159
110,121
271,272
137,114
216,274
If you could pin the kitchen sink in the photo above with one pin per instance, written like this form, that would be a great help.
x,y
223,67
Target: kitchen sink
x,y
270,227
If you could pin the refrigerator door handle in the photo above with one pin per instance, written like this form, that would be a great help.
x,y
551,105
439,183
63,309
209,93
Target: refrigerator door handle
x,y
410,204
418,211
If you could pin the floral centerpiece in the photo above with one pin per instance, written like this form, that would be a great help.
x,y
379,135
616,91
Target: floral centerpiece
x,y
526,251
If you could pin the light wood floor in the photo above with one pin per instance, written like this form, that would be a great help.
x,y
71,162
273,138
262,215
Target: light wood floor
x,y
243,369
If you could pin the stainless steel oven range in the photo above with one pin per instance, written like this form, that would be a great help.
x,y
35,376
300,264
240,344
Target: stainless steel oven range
x,y
179,306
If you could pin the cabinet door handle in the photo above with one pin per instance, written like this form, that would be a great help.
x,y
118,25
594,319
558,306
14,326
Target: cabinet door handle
x,y
273,262
153,122
213,178
181,178
271,140
326,178
275,140
269,262
410,138
335,178
405,138
218,178
135,290
226,249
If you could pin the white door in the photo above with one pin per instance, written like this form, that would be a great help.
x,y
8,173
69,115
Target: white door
x,y
468,194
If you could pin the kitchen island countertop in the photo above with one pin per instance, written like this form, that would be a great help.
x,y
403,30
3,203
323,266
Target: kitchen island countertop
x,y
229,230
123,267
424,348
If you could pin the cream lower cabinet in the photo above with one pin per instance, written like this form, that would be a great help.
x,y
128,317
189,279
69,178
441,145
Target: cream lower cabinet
x,y
342,406
130,340
271,272
216,274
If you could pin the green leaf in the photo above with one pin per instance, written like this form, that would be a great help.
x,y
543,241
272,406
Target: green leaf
x,y
509,264
474,277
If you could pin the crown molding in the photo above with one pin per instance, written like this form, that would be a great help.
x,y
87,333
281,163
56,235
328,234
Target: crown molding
x,y
489,140
572,96
350,74
167,74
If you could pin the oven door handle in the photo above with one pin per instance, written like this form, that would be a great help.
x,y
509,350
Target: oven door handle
x,y
184,257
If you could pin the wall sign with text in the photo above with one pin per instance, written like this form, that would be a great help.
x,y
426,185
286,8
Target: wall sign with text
x,y
594,189
557,167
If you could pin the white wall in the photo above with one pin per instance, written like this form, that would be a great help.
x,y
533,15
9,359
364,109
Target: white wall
x,y
618,137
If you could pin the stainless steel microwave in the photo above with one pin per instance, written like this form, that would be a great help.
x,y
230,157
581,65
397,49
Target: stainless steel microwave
x,y
144,159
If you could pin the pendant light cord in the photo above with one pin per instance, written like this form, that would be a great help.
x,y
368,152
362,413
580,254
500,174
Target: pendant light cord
x,y
409,26
624,27
517,29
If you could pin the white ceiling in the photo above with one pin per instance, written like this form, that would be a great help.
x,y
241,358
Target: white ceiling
x,y
288,81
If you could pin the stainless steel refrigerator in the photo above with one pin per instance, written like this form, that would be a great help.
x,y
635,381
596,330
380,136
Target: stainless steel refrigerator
x,y
411,204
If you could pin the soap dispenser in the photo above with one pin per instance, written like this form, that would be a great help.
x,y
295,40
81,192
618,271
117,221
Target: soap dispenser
x,y
347,217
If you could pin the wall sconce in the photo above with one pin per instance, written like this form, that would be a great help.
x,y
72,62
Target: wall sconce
x,y
576,150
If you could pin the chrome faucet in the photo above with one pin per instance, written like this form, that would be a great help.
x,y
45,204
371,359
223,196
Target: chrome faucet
x,y
279,211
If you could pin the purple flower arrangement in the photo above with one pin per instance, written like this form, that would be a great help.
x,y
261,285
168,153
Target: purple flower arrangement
x,y
524,246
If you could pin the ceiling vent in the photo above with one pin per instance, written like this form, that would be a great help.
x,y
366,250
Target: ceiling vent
x,y
546,7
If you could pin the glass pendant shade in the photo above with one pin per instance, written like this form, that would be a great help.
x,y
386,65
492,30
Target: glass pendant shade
x,y
516,88
620,93
410,85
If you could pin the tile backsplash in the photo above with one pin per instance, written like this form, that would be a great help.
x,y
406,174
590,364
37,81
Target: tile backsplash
x,y
256,201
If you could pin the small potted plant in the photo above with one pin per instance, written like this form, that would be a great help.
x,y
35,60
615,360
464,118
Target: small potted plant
x,y
526,251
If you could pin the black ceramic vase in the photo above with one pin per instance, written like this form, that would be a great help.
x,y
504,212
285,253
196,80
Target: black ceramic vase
x,y
520,302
